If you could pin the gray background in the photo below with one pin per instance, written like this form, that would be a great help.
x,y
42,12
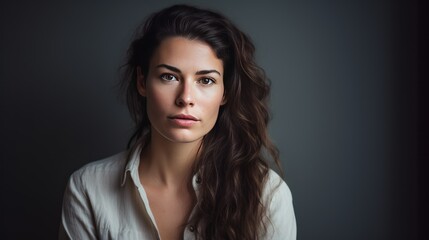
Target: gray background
x,y
341,103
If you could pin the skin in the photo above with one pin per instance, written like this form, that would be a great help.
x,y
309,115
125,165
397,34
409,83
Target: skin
x,y
184,77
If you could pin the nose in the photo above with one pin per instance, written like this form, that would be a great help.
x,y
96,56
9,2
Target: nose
x,y
185,96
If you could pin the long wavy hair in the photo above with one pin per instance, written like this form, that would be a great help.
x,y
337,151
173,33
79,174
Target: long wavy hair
x,y
233,157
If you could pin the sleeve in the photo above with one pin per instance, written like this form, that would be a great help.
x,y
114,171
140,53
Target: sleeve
x,y
76,218
281,215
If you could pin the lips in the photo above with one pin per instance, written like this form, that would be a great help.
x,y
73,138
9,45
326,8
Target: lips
x,y
184,117
183,120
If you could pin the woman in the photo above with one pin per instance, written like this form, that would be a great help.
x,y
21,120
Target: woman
x,y
196,166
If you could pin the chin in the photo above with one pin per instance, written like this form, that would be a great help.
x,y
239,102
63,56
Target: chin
x,y
183,138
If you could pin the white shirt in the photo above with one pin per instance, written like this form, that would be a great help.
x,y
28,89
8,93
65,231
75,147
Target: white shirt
x,y
105,200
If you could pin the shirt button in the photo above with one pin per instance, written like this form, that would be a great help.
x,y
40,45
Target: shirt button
x,y
198,180
191,228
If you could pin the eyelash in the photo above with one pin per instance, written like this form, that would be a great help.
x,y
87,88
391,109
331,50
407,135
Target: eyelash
x,y
165,75
212,81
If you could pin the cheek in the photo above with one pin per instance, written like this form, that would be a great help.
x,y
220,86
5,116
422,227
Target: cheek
x,y
156,101
211,106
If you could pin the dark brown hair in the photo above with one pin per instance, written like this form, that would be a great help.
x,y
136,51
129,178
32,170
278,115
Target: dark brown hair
x,y
232,161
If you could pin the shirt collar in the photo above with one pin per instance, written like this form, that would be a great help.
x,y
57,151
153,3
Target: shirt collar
x,y
132,164
132,169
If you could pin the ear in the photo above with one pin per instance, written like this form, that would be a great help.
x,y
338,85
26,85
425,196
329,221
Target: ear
x,y
223,100
141,85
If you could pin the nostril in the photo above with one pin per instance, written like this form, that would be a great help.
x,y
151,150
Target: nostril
x,y
179,102
182,101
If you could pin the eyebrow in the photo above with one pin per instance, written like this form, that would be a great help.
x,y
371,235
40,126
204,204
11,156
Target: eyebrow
x,y
174,69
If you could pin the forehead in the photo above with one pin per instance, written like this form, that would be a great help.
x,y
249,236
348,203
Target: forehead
x,y
186,54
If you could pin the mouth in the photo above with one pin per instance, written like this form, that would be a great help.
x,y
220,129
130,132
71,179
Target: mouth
x,y
183,117
183,120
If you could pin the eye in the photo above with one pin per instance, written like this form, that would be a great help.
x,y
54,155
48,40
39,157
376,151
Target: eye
x,y
207,81
168,77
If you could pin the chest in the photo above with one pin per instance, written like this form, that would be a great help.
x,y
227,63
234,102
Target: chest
x,y
171,210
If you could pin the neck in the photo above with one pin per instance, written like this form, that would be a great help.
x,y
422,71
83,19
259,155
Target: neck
x,y
168,163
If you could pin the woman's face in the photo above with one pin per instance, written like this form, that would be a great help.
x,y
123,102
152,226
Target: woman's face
x,y
183,88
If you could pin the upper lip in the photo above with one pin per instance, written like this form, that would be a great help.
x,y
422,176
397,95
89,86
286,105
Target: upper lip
x,y
184,116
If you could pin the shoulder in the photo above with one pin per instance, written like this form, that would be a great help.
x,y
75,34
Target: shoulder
x,y
276,188
279,207
89,192
102,171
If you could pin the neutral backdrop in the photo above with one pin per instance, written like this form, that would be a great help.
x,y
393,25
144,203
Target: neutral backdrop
x,y
342,104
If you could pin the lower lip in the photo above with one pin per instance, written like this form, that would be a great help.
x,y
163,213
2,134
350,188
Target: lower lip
x,y
181,122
